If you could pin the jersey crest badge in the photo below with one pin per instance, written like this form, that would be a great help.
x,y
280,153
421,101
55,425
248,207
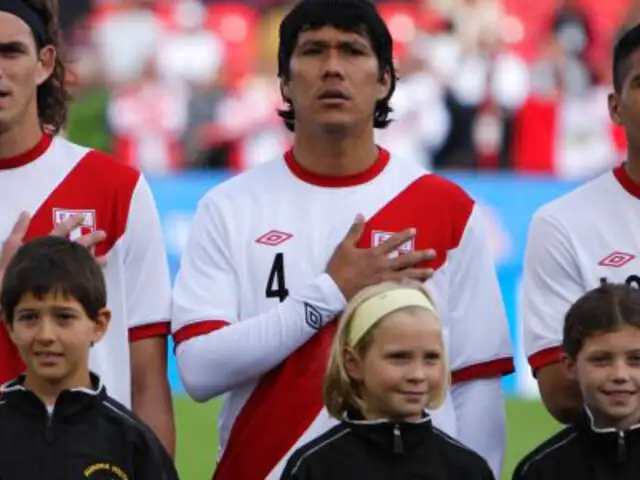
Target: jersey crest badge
x,y
379,237
88,226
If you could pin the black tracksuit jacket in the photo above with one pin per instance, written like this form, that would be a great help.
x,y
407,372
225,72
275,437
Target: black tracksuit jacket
x,y
581,452
381,450
88,436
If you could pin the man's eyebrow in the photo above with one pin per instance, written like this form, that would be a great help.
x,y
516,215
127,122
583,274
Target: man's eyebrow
x,y
13,45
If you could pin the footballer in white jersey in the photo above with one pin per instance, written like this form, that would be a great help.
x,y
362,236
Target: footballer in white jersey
x,y
52,179
257,292
581,240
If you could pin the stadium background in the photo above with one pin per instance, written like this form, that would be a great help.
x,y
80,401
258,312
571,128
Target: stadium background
x,y
194,103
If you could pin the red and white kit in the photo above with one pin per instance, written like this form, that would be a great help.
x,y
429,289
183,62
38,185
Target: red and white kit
x,y
589,236
253,309
56,179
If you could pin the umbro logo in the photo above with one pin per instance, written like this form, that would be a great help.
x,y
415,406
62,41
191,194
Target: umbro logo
x,y
616,259
274,238
379,237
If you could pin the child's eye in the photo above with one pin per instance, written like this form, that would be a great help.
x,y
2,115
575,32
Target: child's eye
x,y
634,359
603,360
432,357
27,317
65,317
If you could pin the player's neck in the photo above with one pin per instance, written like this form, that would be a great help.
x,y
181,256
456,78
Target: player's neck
x,y
335,156
19,139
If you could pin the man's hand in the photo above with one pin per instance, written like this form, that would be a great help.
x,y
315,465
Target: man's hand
x,y
354,268
64,228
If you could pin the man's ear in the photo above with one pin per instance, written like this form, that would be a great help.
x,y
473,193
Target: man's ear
x,y
46,63
614,108
384,86
569,366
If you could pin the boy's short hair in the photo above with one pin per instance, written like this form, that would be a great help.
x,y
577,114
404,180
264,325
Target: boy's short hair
x,y
53,265
626,46
602,310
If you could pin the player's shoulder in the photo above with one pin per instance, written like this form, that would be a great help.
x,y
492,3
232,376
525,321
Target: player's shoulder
x,y
317,450
552,450
578,204
97,166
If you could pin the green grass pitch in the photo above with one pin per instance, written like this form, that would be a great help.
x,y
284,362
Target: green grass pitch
x,y
527,425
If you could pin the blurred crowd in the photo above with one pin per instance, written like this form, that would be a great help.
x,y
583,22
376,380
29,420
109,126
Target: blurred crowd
x,y
516,85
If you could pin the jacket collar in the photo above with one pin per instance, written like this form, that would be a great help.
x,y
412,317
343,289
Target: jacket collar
x,y
613,442
69,402
389,436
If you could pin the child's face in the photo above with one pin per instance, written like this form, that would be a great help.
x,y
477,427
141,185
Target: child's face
x,y
401,367
54,336
608,371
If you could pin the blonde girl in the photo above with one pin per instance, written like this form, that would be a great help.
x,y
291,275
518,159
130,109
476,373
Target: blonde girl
x,y
387,367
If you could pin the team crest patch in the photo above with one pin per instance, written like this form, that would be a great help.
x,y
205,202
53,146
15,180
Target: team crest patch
x,y
88,226
379,237
105,471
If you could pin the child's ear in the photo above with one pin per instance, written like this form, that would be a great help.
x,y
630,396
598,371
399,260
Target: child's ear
x,y
101,323
569,365
352,364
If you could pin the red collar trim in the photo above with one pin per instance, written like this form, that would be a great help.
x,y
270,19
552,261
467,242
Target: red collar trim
x,y
29,156
337,181
625,180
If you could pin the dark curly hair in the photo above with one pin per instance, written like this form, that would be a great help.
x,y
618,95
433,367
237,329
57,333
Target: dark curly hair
x,y
360,16
53,96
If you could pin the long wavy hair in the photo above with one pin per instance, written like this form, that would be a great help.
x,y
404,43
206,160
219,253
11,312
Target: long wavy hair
x,y
52,96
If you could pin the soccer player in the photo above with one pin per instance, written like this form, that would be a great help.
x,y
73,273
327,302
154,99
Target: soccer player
x,y
268,267
583,239
53,179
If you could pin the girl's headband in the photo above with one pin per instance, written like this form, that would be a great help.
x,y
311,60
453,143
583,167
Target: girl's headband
x,y
378,306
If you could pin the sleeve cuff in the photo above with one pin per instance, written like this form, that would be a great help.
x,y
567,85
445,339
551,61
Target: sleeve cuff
x,y
544,358
493,368
141,332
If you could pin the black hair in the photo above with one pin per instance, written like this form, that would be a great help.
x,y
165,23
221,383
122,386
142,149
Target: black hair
x,y
602,310
626,46
360,16
53,265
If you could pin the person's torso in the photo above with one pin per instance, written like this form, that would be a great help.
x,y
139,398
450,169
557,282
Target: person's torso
x,y
602,220
292,224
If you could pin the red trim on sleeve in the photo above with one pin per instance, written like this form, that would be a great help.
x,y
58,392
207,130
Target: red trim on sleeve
x,y
196,329
493,368
544,358
160,329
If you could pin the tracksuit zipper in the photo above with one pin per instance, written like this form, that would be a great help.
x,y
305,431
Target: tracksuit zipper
x,y
622,447
398,447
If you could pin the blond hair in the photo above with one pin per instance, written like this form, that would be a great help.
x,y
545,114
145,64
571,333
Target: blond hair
x,y
340,392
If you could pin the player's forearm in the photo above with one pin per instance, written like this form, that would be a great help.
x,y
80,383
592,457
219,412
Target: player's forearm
x,y
215,363
154,407
480,415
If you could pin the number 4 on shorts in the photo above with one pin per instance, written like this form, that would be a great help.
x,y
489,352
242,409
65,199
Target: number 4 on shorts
x,y
276,286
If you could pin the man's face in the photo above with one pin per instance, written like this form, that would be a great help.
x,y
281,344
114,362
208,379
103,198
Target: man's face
x,y
22,70
334,80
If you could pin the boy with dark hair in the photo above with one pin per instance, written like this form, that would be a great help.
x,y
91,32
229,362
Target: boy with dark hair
x,y
57,417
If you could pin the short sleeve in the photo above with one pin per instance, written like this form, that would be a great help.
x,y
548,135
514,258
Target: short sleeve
x,y
205,295
479,341
146,271
551,283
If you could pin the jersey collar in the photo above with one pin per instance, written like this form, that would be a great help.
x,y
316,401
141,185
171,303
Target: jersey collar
x,y
337,181
625,180
29,156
